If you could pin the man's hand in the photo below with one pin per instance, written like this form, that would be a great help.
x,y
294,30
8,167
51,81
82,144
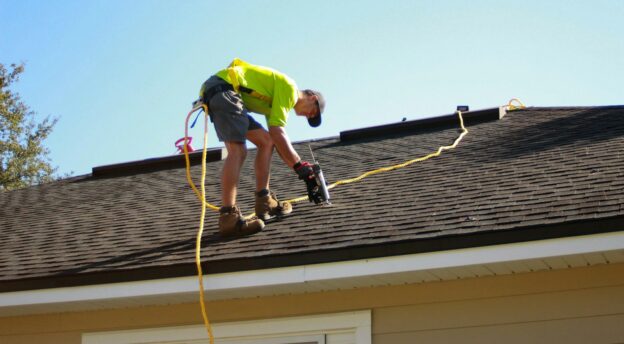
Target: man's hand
x,y
304,170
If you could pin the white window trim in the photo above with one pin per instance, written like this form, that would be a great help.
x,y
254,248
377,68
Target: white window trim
x,y
312,327
316,339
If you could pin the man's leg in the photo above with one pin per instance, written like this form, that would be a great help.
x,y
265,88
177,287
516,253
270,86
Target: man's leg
x,y
231,124
267,205
237,152
231,221
262,164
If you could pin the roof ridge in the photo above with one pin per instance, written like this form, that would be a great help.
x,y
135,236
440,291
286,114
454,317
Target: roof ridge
x,y
413,126
403,127
158,163
220,153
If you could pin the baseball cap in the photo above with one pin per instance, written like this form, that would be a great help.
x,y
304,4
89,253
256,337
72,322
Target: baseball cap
x,y
320,103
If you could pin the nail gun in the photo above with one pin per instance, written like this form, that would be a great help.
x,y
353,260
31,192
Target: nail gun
x,y
318,193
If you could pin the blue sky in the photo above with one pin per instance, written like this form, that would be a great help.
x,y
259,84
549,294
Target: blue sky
x,y
121,75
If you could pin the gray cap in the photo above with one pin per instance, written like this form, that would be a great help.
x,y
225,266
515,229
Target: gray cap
x,y
316,120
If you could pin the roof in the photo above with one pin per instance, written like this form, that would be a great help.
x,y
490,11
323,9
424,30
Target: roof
x,y
536,173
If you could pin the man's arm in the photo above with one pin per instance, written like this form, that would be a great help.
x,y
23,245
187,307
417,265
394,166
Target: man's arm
x,y
283,146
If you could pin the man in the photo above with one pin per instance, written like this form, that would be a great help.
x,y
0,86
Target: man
x,y
230,94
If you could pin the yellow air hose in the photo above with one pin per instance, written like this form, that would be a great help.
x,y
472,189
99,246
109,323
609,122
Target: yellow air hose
x,y
202,194
186,154
202,197
397,166
511,106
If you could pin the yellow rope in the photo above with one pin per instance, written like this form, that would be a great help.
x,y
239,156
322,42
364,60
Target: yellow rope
x,y
340,182
511,106
202,195
394,167
188,163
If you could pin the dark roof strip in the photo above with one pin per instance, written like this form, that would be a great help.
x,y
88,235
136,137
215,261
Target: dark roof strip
x,y
216,154
157,164
441,122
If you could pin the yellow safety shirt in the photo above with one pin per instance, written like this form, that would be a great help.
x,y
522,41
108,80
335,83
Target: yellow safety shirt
x,y
275,93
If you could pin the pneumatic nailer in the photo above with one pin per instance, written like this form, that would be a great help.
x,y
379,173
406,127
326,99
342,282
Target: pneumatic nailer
x,y
318,192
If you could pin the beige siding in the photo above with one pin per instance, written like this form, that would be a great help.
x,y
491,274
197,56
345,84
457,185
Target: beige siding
x,y
594,330
577,305
579,316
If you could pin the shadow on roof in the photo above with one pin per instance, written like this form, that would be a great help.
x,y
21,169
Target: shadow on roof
x,y
145,256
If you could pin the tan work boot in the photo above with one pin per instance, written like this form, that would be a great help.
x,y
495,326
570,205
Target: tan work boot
x,y
268,206
232,223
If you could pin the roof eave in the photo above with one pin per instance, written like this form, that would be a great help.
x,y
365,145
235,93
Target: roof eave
x,y
410,268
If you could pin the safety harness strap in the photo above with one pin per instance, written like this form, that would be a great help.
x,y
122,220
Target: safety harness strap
x,y
255,94
240,88
209,93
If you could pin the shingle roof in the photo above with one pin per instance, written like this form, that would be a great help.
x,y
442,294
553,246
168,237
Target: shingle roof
x,y
536,173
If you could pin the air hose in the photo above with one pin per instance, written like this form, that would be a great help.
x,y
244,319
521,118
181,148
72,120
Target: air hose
x,y
201,194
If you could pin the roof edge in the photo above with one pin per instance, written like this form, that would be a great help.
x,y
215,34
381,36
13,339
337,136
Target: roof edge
x,y
310,277
335,255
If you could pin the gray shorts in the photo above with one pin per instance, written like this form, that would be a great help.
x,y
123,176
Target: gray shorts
x,y
229,115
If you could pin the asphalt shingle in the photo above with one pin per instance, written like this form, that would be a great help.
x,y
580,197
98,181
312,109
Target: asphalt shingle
x,y
534,167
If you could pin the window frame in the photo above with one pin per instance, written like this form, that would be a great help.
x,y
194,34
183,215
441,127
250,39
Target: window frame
x,y
272,331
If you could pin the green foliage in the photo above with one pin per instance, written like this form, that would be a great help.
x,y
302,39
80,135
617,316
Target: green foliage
x,y
23,158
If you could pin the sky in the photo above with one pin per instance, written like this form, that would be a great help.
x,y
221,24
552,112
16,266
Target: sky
x,y
121,75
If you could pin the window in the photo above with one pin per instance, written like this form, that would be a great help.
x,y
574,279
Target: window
x,y
351,327
320,339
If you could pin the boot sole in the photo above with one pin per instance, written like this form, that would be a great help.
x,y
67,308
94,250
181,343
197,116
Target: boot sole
x,y
230,235
274,218
268,216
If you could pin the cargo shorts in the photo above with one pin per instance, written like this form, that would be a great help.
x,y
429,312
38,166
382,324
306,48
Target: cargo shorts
x,y
228,114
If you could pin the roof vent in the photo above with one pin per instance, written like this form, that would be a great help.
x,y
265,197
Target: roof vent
x,y
157,164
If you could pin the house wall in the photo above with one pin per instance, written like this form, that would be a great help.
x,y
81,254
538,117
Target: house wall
x,y
579,305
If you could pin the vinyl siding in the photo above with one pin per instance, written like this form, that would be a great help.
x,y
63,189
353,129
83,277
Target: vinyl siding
x,y
577,305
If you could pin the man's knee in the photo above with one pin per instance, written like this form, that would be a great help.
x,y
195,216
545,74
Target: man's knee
x,y
265,142
236,150
260,138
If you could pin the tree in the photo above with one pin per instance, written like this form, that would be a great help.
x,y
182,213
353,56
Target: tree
x,y
23,158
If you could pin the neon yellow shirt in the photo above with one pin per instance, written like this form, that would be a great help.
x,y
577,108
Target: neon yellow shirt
x,y
279,90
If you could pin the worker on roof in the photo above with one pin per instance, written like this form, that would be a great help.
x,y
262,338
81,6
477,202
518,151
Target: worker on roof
x,y
230,94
